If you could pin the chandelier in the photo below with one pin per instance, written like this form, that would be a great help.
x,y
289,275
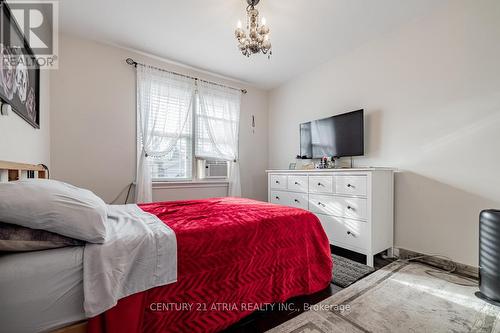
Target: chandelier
x,y
256,39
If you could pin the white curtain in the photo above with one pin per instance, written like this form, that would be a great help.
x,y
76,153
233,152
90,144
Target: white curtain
x,y
217,128
163,109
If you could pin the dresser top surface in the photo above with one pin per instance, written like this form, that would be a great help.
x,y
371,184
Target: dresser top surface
x,y
365,169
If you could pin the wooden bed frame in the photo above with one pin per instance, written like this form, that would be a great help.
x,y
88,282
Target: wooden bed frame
x,y
11,171
80,327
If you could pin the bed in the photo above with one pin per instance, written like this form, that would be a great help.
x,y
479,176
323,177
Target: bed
x,y
234,256
41,290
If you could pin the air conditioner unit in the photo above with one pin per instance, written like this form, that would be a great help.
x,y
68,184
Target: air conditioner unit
x,y
211,169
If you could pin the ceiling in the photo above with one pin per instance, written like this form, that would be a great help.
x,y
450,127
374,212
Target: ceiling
x,y
304,33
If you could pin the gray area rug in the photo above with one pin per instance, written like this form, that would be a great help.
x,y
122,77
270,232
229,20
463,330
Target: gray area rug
x,y
345,271
400,297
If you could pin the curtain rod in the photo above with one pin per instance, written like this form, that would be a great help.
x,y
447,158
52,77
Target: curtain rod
x,y
134,63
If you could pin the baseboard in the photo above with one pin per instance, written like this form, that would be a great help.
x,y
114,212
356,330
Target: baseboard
x,y
461,269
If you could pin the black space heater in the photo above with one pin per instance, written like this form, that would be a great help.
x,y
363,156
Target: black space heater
x,y
489,256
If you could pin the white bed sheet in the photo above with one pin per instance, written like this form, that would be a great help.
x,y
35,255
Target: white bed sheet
x,y
140,253
41,290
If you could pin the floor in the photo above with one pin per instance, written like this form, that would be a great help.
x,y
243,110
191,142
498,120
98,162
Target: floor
x,y
401,297
262,321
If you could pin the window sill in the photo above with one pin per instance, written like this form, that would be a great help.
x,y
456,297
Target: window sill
x,y
190,183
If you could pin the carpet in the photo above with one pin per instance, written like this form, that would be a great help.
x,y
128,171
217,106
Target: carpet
x,y
345,271
400,297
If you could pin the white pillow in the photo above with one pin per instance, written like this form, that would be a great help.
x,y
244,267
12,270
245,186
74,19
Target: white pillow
x,y
54,206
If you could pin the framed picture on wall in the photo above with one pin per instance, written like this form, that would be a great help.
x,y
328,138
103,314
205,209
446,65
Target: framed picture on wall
x,y
19,70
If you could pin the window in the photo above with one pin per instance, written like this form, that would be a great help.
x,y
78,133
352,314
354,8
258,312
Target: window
x,y
181,164
187,129
178,164
170,126
180,118
222,122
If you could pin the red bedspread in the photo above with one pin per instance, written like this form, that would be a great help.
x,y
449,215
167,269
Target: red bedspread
x,y
233,254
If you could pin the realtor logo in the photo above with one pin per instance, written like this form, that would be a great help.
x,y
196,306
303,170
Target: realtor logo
x,y
37,22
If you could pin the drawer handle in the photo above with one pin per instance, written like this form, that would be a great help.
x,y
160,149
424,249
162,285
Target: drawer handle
x,y
351,234
297,201
319,184
321,204
277,182
277,198
297,183
349,207
349,185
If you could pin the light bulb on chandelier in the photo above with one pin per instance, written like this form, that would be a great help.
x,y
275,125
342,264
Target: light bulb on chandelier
x,y
256,38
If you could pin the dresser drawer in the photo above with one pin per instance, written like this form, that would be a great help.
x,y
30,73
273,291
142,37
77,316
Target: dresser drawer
x,y
321,184
298,200
279,197
278,182
350,185
292,199
345,232
297,183
354,208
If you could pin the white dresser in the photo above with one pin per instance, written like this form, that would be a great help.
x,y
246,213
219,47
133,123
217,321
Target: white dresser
x,y
355,206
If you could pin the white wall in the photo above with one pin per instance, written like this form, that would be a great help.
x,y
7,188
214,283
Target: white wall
x,y
22,143
431,93
93,122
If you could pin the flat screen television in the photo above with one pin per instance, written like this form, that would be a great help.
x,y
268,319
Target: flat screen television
x,y
336,136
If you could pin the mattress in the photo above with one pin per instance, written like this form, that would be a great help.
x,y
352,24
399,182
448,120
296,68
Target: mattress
x,y
41,290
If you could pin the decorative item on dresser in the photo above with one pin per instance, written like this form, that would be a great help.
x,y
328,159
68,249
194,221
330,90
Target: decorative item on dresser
x,y
355,206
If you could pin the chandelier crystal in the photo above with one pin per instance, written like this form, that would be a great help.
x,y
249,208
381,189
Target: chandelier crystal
x,y
256,38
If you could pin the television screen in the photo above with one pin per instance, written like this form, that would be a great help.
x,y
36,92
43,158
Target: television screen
x,y
338,136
